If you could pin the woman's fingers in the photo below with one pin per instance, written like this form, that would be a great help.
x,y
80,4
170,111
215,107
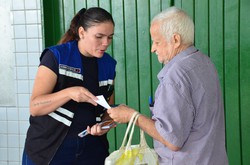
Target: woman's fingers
x,y
97,130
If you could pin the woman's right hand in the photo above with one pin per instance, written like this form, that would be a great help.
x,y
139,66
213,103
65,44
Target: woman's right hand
x,y
81,94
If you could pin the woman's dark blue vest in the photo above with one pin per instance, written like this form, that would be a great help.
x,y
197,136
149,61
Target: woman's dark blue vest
x,y
47,132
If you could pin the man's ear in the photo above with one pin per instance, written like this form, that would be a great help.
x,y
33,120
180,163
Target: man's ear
x,y
176,39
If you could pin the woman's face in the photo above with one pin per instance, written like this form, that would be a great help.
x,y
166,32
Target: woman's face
x,y
95,40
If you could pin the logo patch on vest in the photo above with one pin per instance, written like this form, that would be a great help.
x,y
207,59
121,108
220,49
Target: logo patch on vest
x,y
69,68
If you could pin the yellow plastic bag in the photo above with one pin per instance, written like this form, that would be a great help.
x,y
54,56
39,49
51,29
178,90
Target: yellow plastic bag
x,y
128,157
139,154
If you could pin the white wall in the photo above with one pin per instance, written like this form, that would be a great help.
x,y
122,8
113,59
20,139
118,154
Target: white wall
x,y
7,84
27,46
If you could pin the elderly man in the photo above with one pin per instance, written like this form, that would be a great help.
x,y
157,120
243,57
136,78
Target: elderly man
x,y
187,122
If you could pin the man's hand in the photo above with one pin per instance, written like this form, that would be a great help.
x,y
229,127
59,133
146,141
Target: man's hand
x,y
121,113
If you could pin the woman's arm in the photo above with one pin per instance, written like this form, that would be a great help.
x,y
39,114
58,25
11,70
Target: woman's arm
x,y
43,101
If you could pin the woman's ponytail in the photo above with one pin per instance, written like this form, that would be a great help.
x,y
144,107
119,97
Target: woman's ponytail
x,y
72,33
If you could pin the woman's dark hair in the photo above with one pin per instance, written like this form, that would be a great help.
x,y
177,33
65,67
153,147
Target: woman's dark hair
x,y
85,18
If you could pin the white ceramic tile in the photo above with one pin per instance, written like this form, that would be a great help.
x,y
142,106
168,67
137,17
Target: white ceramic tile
x,y
38,2
3,128
23,100
23,125
30,4
20,155
13,154
24,114
19,31
39,16
3,114
33,59
31,16
32,31
22,86
21,59
3,154
3,141
26,25
17,4
22,138
13,141
40,34
3,162
13,127
12,114
14,163
32,72
18,17
33,45
22,73
41,45
20,45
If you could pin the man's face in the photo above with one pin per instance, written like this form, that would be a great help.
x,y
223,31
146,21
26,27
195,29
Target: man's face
x,y
165,50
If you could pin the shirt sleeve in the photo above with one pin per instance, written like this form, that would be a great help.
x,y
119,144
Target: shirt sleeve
x,y
172,113
49,60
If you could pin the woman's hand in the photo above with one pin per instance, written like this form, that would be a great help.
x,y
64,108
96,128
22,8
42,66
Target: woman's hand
x,y
97,130
81,94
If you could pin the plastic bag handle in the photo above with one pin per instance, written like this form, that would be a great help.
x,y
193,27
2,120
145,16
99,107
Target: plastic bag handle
x,y
143,141
131,132
128,128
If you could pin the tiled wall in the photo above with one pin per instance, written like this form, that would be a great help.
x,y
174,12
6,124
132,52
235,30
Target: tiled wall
x,y
27,41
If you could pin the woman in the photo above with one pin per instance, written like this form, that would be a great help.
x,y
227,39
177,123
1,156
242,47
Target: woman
x,y
62,103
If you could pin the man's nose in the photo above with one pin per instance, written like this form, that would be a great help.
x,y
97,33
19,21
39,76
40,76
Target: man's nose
x,y
153,50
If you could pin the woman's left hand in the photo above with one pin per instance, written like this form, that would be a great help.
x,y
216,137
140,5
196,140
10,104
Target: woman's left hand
x,y
97,130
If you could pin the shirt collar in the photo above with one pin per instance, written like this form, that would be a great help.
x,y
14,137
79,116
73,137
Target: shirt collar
x,y
178,57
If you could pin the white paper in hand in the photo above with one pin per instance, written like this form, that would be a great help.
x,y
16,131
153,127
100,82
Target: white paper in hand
x,y
101,101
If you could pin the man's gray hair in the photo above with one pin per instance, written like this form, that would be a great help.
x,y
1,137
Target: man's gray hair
x,y
174,20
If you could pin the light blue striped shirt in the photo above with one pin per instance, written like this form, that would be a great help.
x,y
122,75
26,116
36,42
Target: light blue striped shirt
x,y
189,111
